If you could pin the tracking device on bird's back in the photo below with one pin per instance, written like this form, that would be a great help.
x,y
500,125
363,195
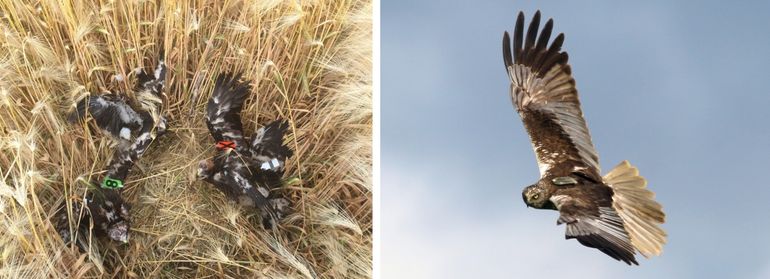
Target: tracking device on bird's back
x,y
110,183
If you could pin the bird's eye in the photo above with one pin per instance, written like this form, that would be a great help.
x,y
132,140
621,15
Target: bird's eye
x,y
535,196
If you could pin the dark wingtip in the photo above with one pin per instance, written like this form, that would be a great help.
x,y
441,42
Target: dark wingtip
x,y
518,37
557,42
534,25
531,47
79,113
229,86
507,59
627,260
545,34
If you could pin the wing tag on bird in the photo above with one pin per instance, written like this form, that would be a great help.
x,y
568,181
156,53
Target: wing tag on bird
x,y
110,183
564,180
272,164
224,144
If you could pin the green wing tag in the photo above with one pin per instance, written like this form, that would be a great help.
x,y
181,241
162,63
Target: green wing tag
x,y
564,180
110,183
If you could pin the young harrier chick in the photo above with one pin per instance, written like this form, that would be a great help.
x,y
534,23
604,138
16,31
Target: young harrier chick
x,y
105,211
133,128
245,172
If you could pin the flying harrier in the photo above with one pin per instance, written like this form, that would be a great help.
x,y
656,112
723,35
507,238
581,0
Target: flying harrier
x,y
245,172
615,213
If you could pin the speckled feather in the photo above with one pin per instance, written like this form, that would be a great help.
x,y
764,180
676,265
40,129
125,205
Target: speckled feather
x,y
107,212
240,173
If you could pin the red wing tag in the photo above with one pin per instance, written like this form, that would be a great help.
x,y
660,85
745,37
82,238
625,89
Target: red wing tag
x,y
224,144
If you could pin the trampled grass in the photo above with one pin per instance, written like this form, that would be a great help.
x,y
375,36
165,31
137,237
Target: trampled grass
x,y
309,62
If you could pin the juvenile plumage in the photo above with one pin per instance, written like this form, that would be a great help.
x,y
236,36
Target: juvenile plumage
x,y
125,119
134,127
245,172
105,211
615,213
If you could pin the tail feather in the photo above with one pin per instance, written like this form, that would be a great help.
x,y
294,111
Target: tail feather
x,y
636,205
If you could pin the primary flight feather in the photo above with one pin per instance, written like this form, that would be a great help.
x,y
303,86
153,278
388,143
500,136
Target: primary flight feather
x,y
614,213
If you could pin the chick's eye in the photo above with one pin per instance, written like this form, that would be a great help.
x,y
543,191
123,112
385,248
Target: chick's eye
x,y
535,196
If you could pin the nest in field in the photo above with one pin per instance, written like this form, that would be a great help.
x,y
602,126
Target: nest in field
x,y
309,63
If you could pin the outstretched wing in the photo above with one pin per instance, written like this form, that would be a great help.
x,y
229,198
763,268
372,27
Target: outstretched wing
x,y
149,91
111,114
543,92
152,83
595,225
267,147
224,108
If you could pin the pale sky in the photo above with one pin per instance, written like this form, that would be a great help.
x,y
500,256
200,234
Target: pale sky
x,y
681,90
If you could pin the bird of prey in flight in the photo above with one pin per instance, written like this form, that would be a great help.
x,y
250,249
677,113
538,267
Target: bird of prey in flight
x,y
246,172
614,213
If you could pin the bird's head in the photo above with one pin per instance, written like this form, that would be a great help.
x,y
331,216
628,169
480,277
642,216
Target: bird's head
x,y
534,196
119,231
205,169
111,214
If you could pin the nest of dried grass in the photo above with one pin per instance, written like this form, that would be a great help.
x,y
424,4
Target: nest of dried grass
x,y
309,63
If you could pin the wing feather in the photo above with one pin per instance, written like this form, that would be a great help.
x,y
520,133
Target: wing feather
x,y
543,92
149,91
111,114
595,226
268,148
223,111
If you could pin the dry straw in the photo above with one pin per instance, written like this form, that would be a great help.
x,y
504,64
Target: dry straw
x,y
309,62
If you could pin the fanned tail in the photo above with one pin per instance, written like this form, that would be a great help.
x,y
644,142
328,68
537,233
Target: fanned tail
x,y
636,205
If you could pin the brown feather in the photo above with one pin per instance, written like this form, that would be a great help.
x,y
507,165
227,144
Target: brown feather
x,y
641,214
